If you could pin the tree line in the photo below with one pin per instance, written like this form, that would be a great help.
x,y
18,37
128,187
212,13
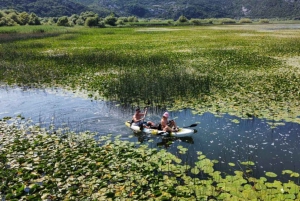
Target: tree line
x,y
12,17
91,19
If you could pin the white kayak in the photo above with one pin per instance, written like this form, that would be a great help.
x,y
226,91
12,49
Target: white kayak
x,y
182,132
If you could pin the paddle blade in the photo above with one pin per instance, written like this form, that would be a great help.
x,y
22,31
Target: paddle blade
x,y
193,125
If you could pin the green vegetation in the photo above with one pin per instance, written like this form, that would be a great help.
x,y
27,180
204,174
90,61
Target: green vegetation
x,y
12,18
39,164
242,70
91,19
237,69
288,9
45,8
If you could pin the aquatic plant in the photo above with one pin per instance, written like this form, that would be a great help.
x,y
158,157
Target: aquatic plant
x,y
37,165
254,73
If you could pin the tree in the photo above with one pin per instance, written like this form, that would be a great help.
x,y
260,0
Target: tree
x,y
85,15
74,18
91,21
1,14
110,20
182,19
63,21
33,19
79,21
14,17
24,18
132,19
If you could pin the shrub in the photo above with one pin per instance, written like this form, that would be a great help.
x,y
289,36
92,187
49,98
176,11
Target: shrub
x,y
245,20
170,22
264,21
195,21
227,21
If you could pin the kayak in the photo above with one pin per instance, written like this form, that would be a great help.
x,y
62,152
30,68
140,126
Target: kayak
x,y
182,132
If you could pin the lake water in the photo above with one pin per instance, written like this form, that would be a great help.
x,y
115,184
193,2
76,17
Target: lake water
x,y
272,149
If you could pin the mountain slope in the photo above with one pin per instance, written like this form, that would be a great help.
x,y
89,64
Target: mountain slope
x,y
164,9
200,8
45,8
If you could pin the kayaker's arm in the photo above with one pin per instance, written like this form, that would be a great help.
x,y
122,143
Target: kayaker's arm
x,y
137,120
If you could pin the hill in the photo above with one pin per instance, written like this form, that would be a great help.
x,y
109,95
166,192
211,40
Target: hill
x,y
161,9
45,8
200,8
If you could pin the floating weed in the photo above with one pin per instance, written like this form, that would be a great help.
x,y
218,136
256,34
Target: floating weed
x,y
235,121
53,167
248,163
246,76
271,174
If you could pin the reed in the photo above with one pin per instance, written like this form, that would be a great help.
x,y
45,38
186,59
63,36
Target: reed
x,y
242,70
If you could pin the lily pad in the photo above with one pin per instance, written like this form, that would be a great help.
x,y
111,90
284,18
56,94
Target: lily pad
x,y
271,174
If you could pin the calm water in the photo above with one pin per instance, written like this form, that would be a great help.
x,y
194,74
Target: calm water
x,y
217,137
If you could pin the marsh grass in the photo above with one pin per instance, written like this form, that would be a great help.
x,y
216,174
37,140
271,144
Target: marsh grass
x,y
10,34
237,69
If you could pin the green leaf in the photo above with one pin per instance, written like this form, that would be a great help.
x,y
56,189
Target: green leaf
x,y
248,163
287,172
295,174
271,174
195,170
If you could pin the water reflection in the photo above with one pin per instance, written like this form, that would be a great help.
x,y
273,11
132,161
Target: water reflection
x,y
227,138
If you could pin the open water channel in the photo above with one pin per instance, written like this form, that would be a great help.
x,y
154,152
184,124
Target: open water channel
x,y
271,149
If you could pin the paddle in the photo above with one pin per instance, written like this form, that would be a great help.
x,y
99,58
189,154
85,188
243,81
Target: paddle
x,y
193,125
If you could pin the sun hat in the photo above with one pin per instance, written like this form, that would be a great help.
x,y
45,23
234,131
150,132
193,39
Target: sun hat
x,y
166,114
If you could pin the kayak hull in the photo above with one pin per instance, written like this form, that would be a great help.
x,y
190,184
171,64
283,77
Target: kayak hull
x,y
183,132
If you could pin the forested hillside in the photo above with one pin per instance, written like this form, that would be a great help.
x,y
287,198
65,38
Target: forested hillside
x,y
161,9
200,8
44,8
